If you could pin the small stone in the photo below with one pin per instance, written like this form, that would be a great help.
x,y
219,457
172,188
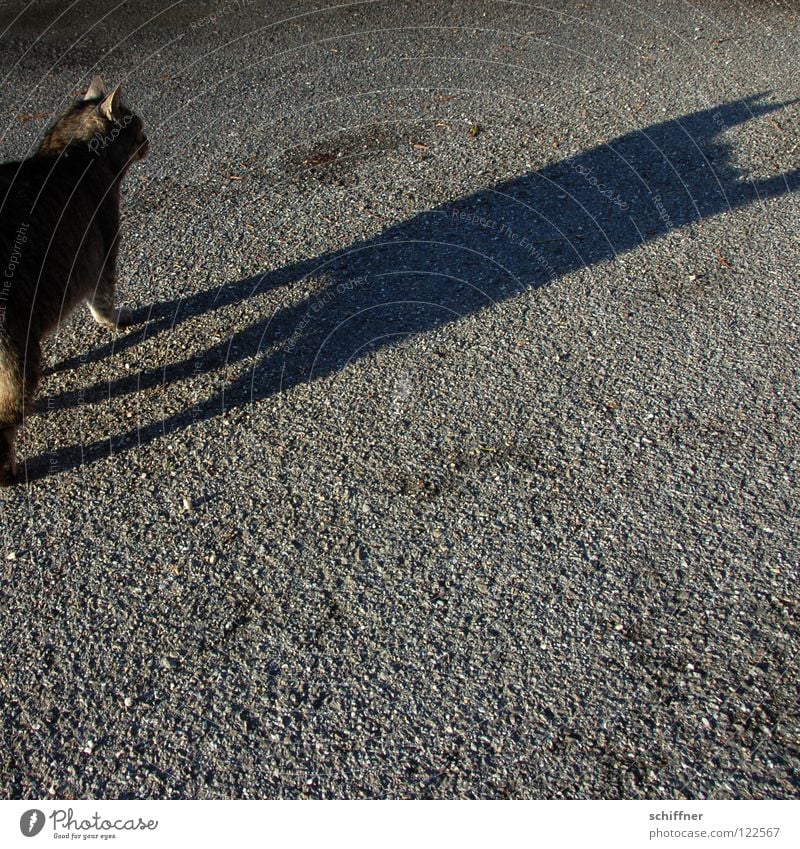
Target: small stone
x,y
128,701
187,504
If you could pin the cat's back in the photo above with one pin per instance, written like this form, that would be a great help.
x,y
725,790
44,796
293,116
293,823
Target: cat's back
x,y
47,235
18,180
27,183
48,197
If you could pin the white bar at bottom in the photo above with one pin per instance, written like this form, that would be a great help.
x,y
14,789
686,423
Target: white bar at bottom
x,y
374,824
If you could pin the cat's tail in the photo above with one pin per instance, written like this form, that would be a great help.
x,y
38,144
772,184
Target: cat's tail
x,y
12,408
12,385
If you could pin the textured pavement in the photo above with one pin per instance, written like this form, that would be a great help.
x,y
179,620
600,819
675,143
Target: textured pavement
x,y
455,450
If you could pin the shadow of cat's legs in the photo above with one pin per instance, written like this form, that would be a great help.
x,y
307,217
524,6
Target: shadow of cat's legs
x,y
167,315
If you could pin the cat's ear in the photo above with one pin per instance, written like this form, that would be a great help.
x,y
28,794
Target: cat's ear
x,y
97,88
109,108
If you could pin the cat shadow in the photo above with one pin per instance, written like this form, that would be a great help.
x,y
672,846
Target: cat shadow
x,y
439,266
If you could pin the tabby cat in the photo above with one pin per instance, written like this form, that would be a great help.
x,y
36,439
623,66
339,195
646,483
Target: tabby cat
x,y
59,237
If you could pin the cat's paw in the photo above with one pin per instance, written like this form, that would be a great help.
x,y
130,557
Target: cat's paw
x,y
115,320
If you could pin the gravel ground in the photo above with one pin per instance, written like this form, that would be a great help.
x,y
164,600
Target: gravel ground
x,y
455,451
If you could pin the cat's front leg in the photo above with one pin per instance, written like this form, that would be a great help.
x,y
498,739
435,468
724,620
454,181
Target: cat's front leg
x,y
101,304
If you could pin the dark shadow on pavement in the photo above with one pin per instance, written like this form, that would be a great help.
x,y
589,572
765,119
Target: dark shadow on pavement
x,y
443,264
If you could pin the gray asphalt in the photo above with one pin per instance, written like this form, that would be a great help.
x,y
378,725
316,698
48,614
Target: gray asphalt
x,y
455,452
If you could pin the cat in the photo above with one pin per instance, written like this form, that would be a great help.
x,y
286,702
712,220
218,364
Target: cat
x,y
59,238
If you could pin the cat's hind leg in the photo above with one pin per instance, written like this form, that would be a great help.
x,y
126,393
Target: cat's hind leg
x,y
8,455
11,407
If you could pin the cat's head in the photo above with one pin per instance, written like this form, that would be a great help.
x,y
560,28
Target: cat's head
x,y
100,122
